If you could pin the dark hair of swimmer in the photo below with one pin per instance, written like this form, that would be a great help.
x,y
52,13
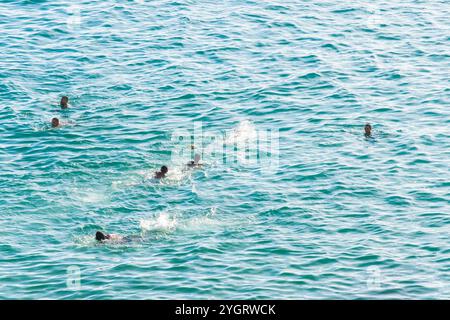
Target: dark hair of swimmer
x,y
64,102
162,173
100,236
55,122
367,130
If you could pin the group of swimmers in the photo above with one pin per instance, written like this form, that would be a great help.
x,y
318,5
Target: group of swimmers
x,y
191,164
102,237
64,104
115,238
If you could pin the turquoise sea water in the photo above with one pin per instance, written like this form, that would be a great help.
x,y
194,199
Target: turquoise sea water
x,y
334,215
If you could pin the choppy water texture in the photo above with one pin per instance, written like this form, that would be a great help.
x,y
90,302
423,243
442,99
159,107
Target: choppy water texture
x,y
341,216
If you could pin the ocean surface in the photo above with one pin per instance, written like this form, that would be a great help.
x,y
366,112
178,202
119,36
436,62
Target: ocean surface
x,y
292,201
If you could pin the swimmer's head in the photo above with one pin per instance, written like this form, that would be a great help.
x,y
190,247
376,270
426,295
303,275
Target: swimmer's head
x,y
64,102
100,236
164,169
368,129
196,158
55,122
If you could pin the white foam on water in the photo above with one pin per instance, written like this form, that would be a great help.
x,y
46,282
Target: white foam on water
x,y
241,143
168,223
176,174
161,223
244,132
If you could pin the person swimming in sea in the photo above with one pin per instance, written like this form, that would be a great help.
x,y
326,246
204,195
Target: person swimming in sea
x,y
368,130
64,102
195,163
115,238
161,174
55,123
